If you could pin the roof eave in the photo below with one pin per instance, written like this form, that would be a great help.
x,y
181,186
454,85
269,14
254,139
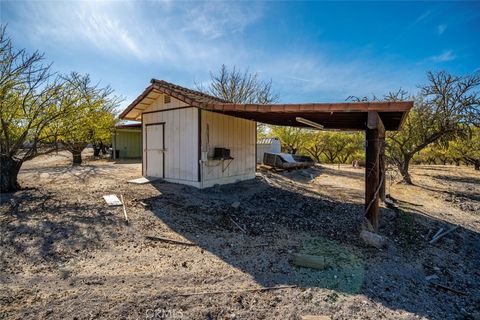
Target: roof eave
x,y
132,105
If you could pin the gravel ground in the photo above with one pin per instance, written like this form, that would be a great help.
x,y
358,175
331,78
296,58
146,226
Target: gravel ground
x,y
66,255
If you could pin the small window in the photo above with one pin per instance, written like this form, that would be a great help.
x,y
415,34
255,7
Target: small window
x,y
166,99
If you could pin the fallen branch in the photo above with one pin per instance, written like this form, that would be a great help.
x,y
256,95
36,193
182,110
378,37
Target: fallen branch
x,y
124,208
235,291
238,226
403,201
435,239
271,182
441,286
162,239
438,233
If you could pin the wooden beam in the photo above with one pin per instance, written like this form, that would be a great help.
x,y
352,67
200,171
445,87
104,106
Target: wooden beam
x,y
375,167
374,122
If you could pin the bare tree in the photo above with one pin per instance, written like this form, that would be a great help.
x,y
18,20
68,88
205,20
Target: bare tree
x,y
442,111
239,87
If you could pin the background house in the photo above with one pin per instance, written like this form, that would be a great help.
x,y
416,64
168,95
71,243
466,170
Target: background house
x,y
127,141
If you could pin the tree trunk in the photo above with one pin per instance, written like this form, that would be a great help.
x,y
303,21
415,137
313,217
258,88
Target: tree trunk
x,y
76,149
96,150
77,157
9,174
403,168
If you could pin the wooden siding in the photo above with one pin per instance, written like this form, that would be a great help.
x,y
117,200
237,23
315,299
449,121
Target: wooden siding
x,y
233,133
181,139
129,142
158,104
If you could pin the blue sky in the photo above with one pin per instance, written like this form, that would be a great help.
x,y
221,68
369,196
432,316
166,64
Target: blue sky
x,y
313,51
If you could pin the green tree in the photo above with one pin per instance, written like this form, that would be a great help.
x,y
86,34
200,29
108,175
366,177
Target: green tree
x,y
427,155
93,120
37,109
293,139
467,147
334,147
29,104
315,145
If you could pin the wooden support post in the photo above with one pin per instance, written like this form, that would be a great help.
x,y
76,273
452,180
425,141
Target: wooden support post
x,y
375,132
383,177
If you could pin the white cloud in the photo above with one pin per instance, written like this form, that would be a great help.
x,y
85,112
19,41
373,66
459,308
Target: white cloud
x,y
445,56
215,19
190,40
441,29
162,32
79,24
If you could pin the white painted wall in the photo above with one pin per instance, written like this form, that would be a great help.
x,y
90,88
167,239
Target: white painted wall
x,y
218,130
274,146
236,134
158,104
181,139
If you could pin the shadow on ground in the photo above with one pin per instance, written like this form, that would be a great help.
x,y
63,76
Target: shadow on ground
x,y
78,172
271,224
33,233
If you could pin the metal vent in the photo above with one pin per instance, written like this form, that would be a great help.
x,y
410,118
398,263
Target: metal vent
x,y
167,99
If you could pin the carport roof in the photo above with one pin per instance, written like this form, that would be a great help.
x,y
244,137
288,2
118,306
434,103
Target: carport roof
x,y
344,115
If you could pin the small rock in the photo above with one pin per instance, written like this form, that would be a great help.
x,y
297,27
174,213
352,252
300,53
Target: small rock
x,y
235,205
373,239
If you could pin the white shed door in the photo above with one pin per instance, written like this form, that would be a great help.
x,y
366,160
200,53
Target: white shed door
x,y
155,150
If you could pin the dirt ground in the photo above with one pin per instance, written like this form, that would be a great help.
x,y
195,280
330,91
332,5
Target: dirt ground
x,y
66,255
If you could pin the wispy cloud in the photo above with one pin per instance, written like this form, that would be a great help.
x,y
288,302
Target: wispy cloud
x,y
172,33
445,56
298,79
216,19
420,19
441,29
316,76
189,41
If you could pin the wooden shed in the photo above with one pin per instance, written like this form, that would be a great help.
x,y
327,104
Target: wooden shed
x,y
186,144
196,139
